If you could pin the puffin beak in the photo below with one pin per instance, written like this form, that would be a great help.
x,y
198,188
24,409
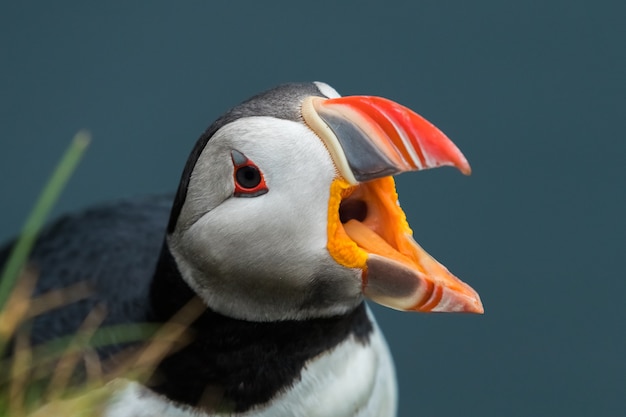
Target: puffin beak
x,y
370,139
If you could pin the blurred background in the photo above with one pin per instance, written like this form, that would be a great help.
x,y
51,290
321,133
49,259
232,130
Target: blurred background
x,y
533,92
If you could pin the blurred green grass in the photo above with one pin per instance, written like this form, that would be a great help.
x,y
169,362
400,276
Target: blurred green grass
x,y
38,380
38,215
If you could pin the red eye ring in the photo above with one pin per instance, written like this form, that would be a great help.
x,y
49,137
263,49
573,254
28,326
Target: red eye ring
x,y
248,178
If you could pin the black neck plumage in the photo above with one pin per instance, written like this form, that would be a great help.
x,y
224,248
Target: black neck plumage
x,y
235,364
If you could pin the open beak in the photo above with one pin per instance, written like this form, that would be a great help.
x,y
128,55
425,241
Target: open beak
x,y
370,139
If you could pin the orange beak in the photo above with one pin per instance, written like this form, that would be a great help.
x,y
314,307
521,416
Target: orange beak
x,y
370,139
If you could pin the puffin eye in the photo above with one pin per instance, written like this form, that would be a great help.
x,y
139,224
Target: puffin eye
x,y
249,181
248,176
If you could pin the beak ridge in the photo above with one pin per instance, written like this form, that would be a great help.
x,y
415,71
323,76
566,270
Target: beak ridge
x,y
372,137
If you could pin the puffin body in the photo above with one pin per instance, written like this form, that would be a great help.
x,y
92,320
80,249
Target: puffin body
x,y
285,219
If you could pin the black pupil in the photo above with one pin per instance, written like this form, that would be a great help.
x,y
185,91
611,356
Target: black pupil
x,y
248,177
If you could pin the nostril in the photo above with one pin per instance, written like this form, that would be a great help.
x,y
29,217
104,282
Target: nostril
x,y
352,210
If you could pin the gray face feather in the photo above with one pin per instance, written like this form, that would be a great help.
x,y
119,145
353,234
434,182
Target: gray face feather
x,y
281,102
262,258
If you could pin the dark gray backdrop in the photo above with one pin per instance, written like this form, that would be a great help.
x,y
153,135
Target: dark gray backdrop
x,y
533,92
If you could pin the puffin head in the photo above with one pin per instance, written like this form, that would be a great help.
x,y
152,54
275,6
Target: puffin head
x,y
287,209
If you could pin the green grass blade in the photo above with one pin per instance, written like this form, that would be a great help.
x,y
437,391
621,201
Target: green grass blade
x,y
110,335
56,183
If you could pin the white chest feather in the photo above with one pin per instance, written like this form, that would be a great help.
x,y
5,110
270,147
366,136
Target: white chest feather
x,y
351,380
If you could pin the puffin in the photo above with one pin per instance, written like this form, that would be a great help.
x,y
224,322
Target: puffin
x,y
285,221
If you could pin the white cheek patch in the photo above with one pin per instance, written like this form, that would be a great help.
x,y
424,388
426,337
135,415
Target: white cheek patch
x,y
289,154
250,253
298,172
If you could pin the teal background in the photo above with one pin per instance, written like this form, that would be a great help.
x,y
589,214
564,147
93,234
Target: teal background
x,y
533,92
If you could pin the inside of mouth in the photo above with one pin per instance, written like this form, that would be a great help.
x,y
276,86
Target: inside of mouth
x,y
366,219
352,209
372,220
